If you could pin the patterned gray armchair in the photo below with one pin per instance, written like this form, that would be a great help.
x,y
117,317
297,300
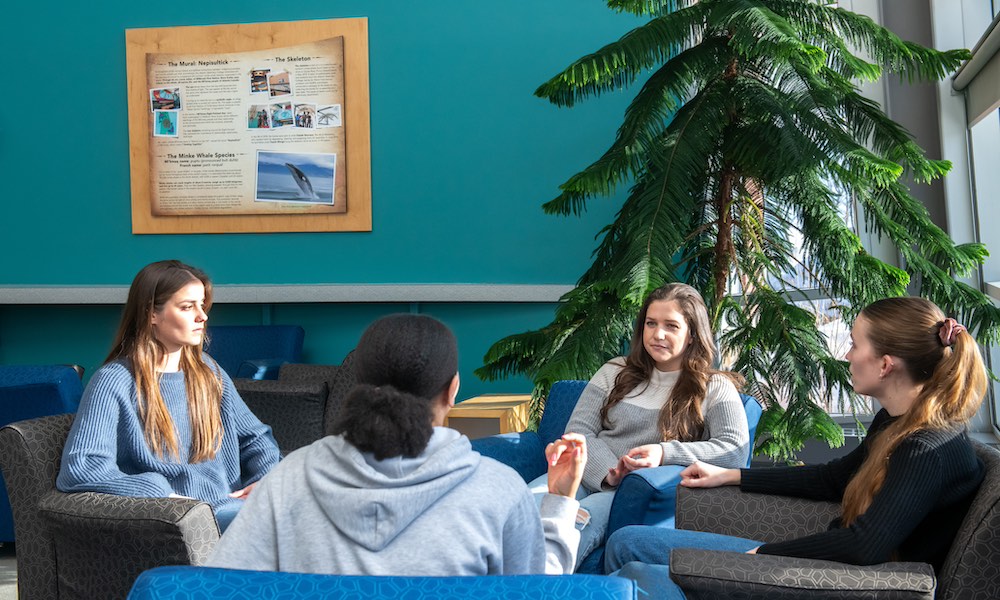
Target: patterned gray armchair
x,y
970,571
301,404
89,546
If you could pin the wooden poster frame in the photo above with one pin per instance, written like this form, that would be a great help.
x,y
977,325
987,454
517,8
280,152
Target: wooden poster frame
x,y
217,39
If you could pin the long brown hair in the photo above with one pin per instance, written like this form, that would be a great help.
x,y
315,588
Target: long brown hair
x,y
681,417
952,382
135,341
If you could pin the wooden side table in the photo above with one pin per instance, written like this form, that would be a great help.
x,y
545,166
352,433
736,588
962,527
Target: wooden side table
x,y
490,414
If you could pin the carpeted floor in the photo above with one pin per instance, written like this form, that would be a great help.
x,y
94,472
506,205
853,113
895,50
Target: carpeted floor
x,y
8,572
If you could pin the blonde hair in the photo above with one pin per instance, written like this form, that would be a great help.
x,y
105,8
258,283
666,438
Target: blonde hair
x,y
135,341
681,417
952,383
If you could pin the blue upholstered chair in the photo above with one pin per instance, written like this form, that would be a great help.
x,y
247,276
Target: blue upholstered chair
x,y
645,497
255,351
33,391
188,583
525,452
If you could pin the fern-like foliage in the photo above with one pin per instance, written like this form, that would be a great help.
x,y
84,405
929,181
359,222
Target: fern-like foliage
x,y
749,132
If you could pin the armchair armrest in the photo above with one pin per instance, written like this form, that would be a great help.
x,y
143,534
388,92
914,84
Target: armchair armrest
x,y
524,452
763,517
646,497
103,542
710,574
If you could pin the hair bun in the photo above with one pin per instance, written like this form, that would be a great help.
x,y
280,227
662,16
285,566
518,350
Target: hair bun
x,y
385,421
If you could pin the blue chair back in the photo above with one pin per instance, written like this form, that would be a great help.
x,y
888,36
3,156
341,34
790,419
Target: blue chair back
x,y
558,408
254,351
754,411
189,583
27,392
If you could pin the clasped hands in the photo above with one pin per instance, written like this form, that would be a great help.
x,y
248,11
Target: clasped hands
x,y
640,457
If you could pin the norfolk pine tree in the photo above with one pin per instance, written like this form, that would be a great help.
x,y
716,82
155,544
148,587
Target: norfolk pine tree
x,y
748,131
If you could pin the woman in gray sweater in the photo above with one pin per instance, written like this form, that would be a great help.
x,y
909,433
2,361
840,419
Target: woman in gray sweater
x,y
662,404
394,492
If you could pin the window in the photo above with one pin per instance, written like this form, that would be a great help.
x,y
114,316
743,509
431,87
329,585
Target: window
x,y
973,148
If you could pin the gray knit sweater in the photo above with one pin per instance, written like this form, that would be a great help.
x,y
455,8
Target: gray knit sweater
x,y
107,452
330,508
725,442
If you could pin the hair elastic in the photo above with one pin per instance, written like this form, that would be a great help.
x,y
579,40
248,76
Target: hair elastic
x,y
949,330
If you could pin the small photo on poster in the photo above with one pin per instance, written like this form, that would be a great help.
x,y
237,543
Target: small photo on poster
x,y
280,84
328,115
295,177
165,123
258,81
281,115
165,99
305,115
258,117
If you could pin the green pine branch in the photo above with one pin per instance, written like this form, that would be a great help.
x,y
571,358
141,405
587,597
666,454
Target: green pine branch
x,y
748,131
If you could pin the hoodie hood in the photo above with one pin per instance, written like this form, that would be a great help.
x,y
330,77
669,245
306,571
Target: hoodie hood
x,y
372,501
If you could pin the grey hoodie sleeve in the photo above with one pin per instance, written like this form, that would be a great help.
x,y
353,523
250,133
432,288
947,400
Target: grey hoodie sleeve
x,y
562,539
251,541
523,549
548,545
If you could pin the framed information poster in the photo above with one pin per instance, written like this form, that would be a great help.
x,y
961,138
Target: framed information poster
x,y
250,128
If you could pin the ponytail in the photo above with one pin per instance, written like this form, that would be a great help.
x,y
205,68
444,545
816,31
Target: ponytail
x,y
942,358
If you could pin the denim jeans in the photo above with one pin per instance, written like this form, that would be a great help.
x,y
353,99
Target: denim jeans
x,y
642,553
225,514
598,504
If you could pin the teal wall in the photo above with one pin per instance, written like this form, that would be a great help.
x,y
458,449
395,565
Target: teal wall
x,y
462,157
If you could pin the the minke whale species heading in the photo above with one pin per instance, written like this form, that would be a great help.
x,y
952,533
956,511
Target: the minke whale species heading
x,y
303,182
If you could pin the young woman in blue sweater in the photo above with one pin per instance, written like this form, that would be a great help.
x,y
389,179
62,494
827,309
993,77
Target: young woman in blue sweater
x,y
160,418
904,491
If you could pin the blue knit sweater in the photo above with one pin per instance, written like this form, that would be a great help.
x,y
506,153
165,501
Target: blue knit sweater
x,y
107,452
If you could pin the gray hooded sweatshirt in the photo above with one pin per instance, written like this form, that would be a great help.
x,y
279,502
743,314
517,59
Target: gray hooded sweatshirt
x,y
329,508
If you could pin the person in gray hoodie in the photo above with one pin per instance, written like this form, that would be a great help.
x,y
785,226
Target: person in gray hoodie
x,y
393,492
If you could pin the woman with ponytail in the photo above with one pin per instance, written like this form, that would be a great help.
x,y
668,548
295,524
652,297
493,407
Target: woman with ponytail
x,y
393,492
160,418
662,404
904,491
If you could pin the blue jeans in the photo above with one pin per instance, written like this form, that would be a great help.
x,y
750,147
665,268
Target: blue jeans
x,y
225,514
598,504
642,553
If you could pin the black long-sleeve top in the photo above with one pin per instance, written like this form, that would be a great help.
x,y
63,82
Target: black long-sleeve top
x,y
930,482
